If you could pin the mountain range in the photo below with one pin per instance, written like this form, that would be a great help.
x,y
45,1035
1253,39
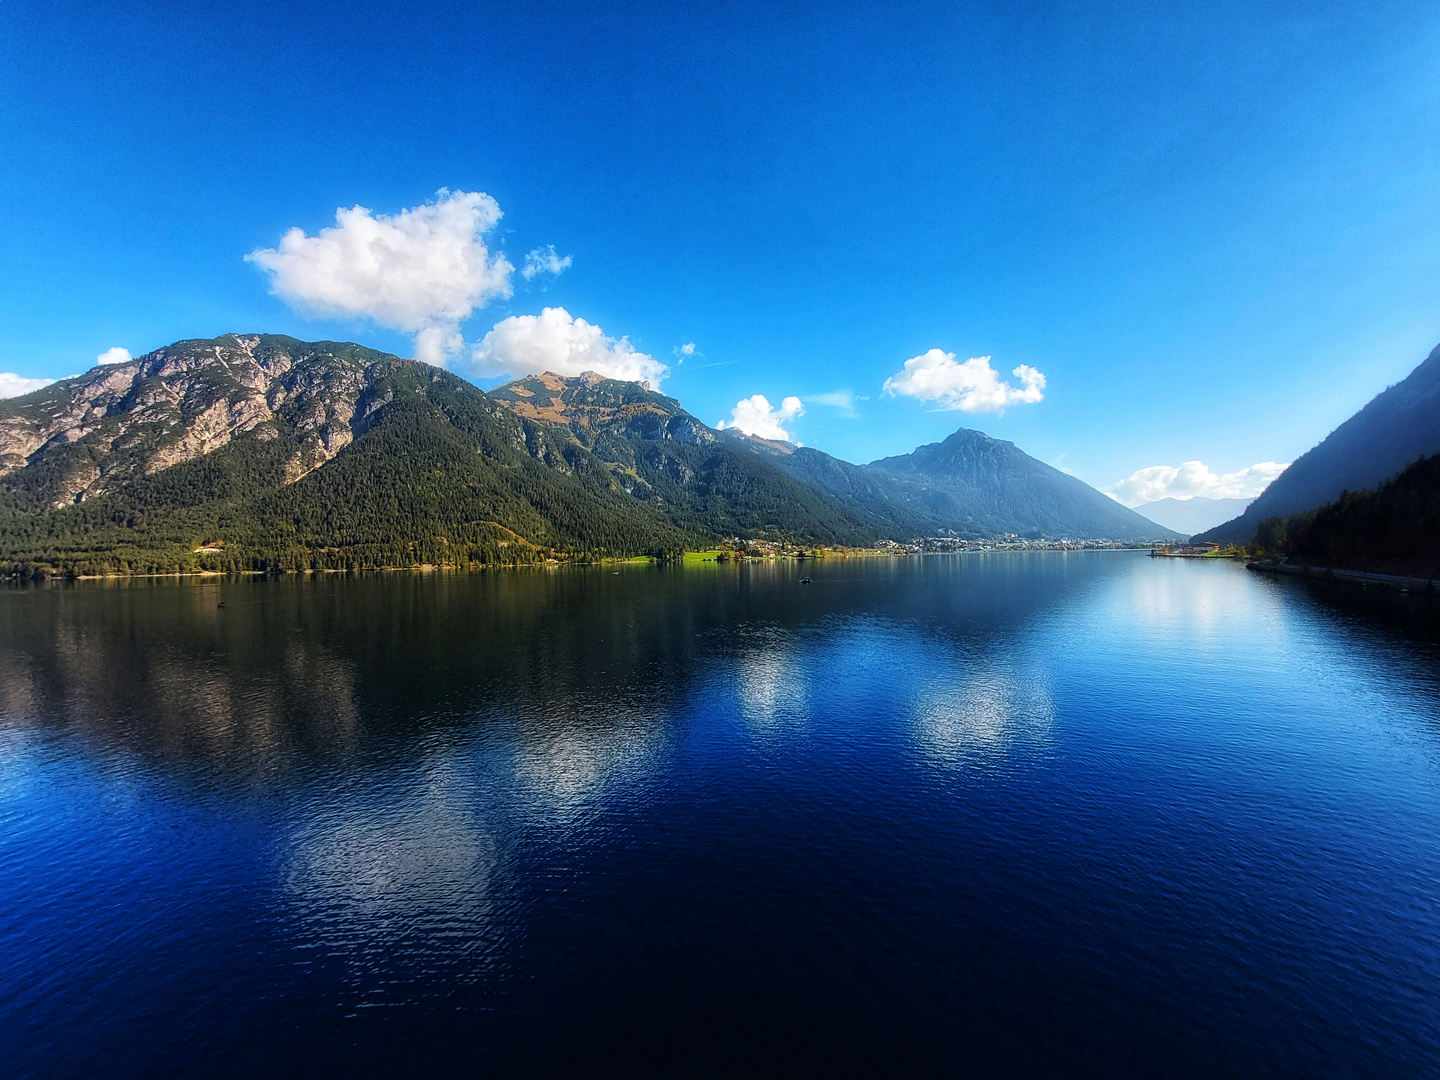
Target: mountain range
x,y
1398,426
265,452
1192,515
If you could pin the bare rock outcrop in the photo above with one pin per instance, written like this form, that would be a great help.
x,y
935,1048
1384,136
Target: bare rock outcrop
x,y
93,432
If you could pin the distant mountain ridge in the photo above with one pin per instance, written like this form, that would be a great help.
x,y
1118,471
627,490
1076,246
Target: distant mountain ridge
x,y
1398,426
992,486
265,452
1192,515
969,485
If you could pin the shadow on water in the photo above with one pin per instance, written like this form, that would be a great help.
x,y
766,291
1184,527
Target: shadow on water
x,y
257,676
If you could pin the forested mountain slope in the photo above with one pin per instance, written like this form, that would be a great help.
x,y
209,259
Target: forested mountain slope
x,y
1395,428
969,485
264,452
1391,530
372,461
701,479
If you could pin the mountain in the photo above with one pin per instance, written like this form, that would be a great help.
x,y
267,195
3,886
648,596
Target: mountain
x,y
702,479
271,453
1390,530
264,452
1397,427
734,483
979,486
1192,515
970,486
867,493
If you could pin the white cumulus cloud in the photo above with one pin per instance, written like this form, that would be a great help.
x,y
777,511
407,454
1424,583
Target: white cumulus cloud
x,y
973,387
114,355
1191,479
424,270
756,416
12,385
556,341
545,260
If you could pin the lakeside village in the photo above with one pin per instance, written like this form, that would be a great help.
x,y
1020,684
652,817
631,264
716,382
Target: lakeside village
x,y
736,548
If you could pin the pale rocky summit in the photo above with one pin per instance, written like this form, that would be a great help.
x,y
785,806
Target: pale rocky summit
x,y
83,436
590,404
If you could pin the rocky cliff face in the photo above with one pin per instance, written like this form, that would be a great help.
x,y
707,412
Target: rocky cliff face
x,y
82,437
590,405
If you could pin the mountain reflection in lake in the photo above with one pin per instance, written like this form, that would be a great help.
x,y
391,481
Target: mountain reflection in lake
x,y
1080,812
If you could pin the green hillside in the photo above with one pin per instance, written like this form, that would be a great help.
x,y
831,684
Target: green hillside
x,y
439,475
1391,530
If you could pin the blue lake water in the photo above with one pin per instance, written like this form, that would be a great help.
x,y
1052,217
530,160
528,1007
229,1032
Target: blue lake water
x,y
1077,813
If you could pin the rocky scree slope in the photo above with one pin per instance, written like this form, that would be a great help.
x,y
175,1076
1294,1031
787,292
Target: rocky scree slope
x,y
85,436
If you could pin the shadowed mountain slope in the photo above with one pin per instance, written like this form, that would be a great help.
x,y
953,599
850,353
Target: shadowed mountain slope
x,y
969,485
1390,530
700,478
982,486
1397,427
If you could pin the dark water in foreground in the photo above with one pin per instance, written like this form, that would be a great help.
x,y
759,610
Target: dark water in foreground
x,y
1085,813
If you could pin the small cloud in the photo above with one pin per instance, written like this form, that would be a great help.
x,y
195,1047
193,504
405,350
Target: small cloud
x,y
843,400
681,352
973,387
12,385
556,341
424,270
1192,479
114,355
545,260
756,416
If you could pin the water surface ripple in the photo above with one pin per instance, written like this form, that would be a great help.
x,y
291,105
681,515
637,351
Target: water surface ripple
x,y
1076,813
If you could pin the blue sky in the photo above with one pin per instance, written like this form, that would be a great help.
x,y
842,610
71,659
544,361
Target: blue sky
x,y
1213,230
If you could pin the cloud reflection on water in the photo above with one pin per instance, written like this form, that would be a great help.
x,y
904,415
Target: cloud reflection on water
x,y
567,759
771,685
983,712
410,876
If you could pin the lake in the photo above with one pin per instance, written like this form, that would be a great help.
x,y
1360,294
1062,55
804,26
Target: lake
x,y
1079,813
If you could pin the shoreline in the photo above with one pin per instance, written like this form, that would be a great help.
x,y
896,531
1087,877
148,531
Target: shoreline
x,y
688,559
1363,578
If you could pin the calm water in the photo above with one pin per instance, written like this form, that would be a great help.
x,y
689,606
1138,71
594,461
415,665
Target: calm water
x,y
1080,813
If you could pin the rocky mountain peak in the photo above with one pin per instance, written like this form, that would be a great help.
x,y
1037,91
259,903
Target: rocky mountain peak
x,y
590,404
120,421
